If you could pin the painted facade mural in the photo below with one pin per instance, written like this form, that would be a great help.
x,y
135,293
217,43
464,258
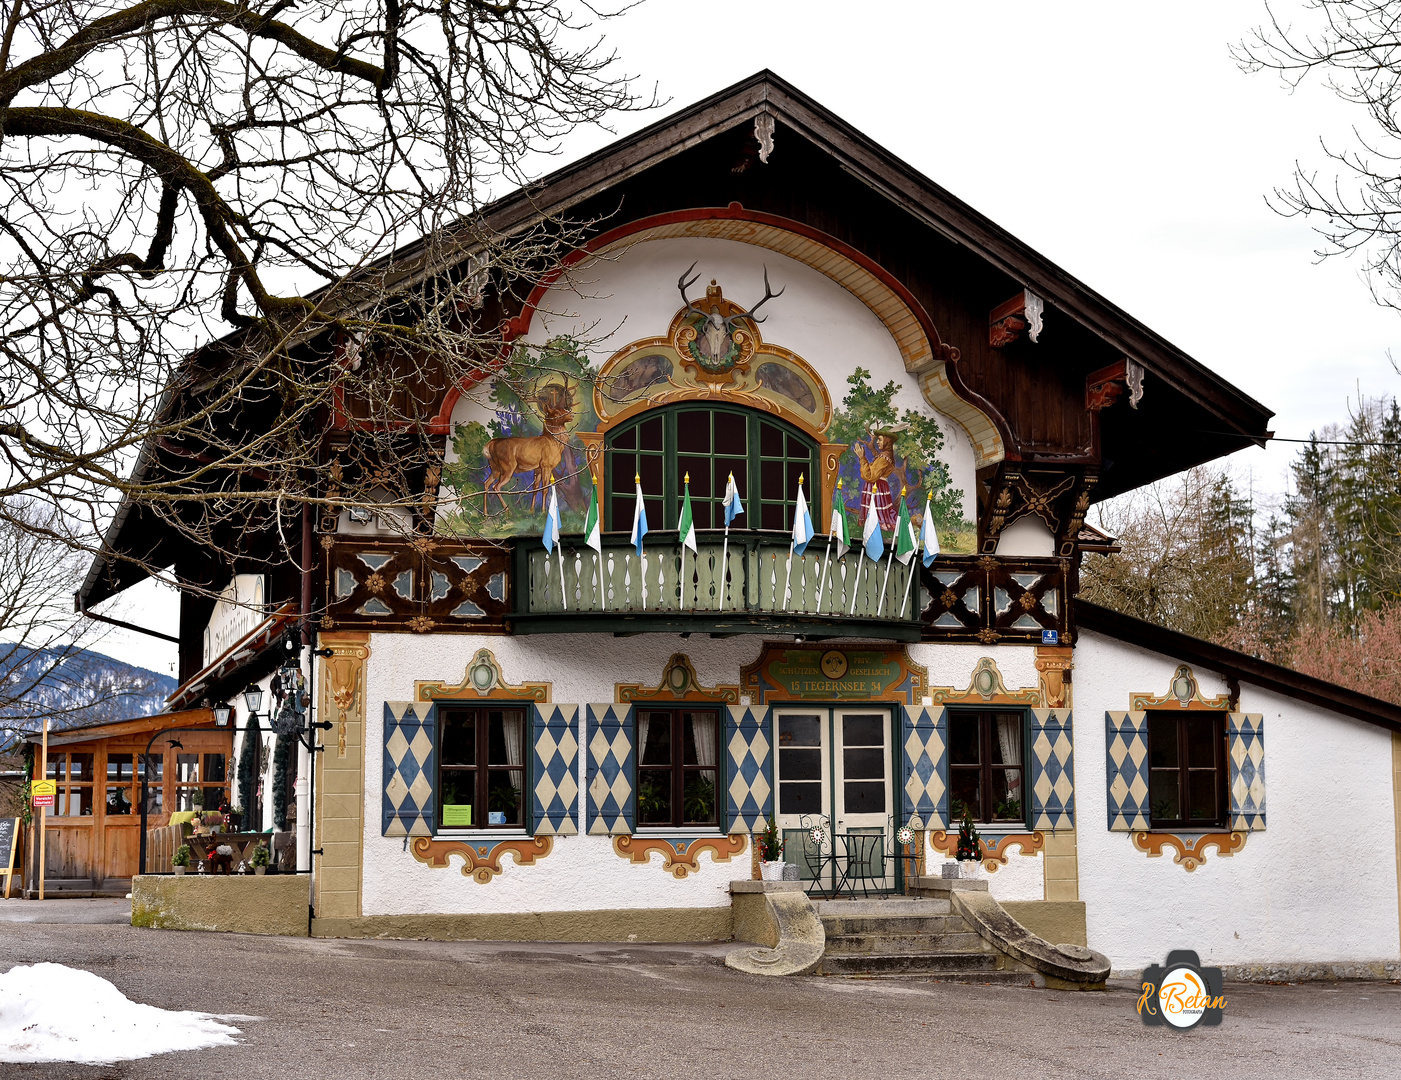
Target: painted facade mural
x,y
552,423
499,483
889,451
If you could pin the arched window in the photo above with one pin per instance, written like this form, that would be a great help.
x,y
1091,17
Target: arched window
x,y
709,441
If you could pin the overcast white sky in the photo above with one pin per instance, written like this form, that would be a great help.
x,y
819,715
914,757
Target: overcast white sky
x,y
1117,139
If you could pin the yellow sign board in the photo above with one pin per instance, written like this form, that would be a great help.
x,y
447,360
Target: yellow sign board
x,y
43,787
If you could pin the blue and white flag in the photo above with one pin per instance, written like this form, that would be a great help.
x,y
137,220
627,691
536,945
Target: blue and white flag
x,y
733,507
551,536
639,517
929,536
802,522
871,537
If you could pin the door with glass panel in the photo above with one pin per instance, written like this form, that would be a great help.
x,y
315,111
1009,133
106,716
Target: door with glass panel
x,y
834,766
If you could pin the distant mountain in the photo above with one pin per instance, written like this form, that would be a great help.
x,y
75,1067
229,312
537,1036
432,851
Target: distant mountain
x,y
73,689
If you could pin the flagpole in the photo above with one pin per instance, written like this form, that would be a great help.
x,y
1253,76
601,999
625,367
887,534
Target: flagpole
x,y
682,603
914,573
885,581
822,585
724,562
730,492
831,523
861,565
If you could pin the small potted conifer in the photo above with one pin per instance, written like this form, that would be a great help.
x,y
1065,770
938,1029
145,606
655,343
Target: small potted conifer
x,y
260,859
771,852
968,855
180,861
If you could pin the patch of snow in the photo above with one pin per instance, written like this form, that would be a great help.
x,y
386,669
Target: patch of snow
x,y
50,1012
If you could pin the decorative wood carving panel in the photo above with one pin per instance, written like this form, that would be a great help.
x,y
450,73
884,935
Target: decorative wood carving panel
x,y
990,599
1058,495
425,585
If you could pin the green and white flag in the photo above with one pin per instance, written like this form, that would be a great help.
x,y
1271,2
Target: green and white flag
x,y
841,524
906,542
686,528
592,534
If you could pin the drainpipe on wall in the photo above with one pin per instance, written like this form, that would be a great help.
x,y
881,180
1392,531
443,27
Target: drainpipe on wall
x,y
304,757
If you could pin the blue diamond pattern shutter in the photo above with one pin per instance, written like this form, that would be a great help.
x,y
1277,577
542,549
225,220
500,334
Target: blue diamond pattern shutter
x,y
748,769
925,768
611,747
1126,753
1052,770
410,768
554,770
1245,752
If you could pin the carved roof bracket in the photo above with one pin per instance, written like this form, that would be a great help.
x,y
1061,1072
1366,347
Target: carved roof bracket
x,y
1023,312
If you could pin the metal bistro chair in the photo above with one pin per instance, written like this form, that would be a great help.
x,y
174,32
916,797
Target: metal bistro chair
x,y
819,853
866,855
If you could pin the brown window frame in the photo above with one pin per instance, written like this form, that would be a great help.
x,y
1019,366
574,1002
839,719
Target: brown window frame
x,y
984,813
677,719
482,768
1184,770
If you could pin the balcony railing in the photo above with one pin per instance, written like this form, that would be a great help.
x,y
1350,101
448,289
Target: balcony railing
x,y
751,588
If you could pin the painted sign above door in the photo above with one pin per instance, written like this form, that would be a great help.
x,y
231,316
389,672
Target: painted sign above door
x,y
796,673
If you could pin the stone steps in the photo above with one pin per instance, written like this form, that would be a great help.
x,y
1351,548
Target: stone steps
x,y
903,924
894,943
883,908
908,937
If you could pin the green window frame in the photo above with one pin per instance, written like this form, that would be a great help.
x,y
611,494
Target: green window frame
x,y
664,445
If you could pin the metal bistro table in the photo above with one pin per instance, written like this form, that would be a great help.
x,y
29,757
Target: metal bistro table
x,y
851,858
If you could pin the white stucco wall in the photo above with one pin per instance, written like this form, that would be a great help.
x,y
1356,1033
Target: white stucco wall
x,y
1317,885
633,295
583,873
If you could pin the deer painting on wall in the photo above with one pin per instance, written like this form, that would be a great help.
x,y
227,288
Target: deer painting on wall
x,y
539,455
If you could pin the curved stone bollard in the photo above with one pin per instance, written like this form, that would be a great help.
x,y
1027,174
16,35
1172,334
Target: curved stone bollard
x,y
1066,967
780,916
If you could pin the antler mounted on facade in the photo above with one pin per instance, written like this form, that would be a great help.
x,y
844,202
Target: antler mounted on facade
x,y
683,283
769,294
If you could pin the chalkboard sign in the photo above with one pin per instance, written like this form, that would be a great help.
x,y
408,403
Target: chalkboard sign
x,y
9,845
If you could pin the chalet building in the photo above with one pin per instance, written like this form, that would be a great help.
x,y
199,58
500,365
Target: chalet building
x,y
581,743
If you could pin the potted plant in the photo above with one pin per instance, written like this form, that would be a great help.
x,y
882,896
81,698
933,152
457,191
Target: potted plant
x,y
771,852
968,855
260,859
181,859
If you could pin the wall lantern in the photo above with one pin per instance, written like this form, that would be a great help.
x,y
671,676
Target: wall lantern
x,y
222,712
253,698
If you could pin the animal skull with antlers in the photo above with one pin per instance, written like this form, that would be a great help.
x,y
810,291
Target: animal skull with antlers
x,y
715,334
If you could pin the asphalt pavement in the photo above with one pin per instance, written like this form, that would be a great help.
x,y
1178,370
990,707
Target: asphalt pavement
x,y
416,1009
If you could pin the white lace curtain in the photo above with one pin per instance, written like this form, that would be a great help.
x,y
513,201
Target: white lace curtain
x,y
703,730
512,729
1009,741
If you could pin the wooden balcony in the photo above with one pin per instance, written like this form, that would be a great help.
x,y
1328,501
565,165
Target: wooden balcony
x,y
752,589
440,586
